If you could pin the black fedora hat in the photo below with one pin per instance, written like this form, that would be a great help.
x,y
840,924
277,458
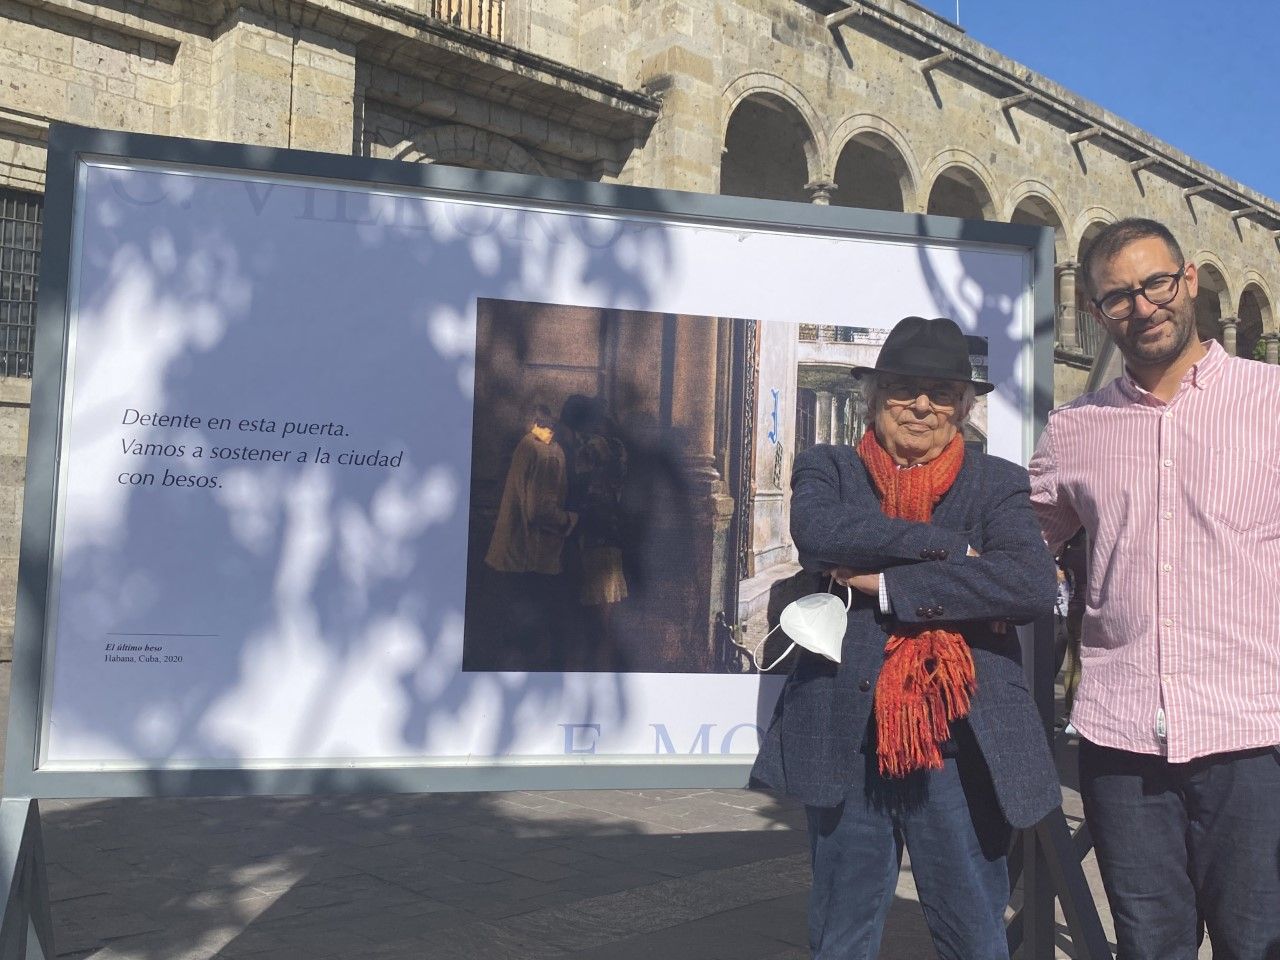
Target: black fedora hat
x,y
935,348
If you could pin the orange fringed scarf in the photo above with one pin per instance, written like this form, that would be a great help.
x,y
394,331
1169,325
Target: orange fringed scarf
x,y
928,675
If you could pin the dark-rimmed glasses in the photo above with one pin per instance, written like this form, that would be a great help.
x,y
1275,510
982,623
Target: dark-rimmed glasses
x,y
1157,291
942,396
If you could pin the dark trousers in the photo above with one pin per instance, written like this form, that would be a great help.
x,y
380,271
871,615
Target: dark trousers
x,y
950,824
1187,846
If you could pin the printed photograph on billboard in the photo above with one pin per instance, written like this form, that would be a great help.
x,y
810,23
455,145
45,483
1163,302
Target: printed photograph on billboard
x,y
624,494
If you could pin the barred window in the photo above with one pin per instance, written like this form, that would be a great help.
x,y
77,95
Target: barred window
x,y
20,216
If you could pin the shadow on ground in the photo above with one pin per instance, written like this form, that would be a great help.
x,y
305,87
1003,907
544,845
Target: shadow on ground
x,y
613,874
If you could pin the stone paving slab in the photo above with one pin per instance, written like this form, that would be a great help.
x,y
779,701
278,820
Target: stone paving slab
x,y
556,875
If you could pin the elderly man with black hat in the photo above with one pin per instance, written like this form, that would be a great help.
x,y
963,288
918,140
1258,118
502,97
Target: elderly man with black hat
x,y
924,734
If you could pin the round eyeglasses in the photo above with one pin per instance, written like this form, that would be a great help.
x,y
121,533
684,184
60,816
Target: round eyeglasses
x,y
1157,291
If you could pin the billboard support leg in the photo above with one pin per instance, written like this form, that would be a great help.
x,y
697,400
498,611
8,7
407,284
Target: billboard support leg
x,y
1047,858
26,931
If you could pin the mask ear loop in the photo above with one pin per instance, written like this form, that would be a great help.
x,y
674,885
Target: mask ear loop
x,y
760,646
848,603
754,654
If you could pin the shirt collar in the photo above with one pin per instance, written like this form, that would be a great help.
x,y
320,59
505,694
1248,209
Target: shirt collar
x,y
1200,375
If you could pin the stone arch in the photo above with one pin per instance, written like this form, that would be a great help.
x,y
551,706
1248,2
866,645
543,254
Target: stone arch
x,y
1034,202
465,146
1086,225
1254,315
867,137
1262,289
770,89
960,186
1214,300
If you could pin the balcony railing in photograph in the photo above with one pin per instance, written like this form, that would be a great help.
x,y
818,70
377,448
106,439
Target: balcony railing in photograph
x,y
813,333
479,16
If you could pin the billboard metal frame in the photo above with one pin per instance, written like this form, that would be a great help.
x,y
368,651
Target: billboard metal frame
x,y
26,926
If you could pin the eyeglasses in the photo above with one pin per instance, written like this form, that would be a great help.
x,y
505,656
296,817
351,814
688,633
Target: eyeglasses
x,y
1159,290
941,396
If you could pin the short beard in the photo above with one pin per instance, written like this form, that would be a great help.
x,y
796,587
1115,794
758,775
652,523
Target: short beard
x,y
1183,317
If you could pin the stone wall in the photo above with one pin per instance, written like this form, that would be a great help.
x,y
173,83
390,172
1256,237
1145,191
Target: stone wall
x,y
15,404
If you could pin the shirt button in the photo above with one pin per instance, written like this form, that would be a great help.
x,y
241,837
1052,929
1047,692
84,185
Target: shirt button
x,y
1167,622
1168,463
1166,567
1168,515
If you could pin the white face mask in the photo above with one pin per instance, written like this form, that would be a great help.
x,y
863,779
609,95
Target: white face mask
x,y
816,622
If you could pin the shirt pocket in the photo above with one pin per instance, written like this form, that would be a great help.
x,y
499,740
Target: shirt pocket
x,y
1241,485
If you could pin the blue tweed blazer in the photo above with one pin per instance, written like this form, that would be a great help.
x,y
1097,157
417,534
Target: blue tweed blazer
x,y
812,749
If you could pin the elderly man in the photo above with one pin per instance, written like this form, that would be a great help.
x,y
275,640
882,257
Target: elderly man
x,y
924,734
1173,470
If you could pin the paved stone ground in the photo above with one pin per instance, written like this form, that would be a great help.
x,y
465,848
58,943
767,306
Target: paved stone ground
x,y
579,875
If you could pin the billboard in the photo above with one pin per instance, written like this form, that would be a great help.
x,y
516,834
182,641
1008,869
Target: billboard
x,y
351,473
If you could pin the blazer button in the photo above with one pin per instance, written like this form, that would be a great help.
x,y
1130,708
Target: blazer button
x,y
864,685
922,611
924,555
942,554
937,611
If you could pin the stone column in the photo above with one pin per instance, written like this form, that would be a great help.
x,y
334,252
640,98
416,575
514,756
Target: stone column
x,y
1068,331
1273,347
822,418
324,81
252,72
693,414
820,192
281,85
15,406
1229,325
676,53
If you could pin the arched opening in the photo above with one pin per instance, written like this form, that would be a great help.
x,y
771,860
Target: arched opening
x,y
765,150
1036,211
457,145
1092,333
1210,303
959,192
1255,317
870,174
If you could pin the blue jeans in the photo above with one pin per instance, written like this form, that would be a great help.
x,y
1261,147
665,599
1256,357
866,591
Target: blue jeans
x,y
1184,846
949,822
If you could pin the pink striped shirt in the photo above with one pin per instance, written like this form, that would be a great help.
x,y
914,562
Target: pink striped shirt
x,y
1182,504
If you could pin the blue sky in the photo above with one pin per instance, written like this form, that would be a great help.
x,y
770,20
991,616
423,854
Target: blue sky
x,y
1207,84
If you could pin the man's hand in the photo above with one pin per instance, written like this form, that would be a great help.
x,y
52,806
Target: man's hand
x,y
860,580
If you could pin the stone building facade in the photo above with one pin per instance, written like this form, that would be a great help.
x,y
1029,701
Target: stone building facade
x,y
868,103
